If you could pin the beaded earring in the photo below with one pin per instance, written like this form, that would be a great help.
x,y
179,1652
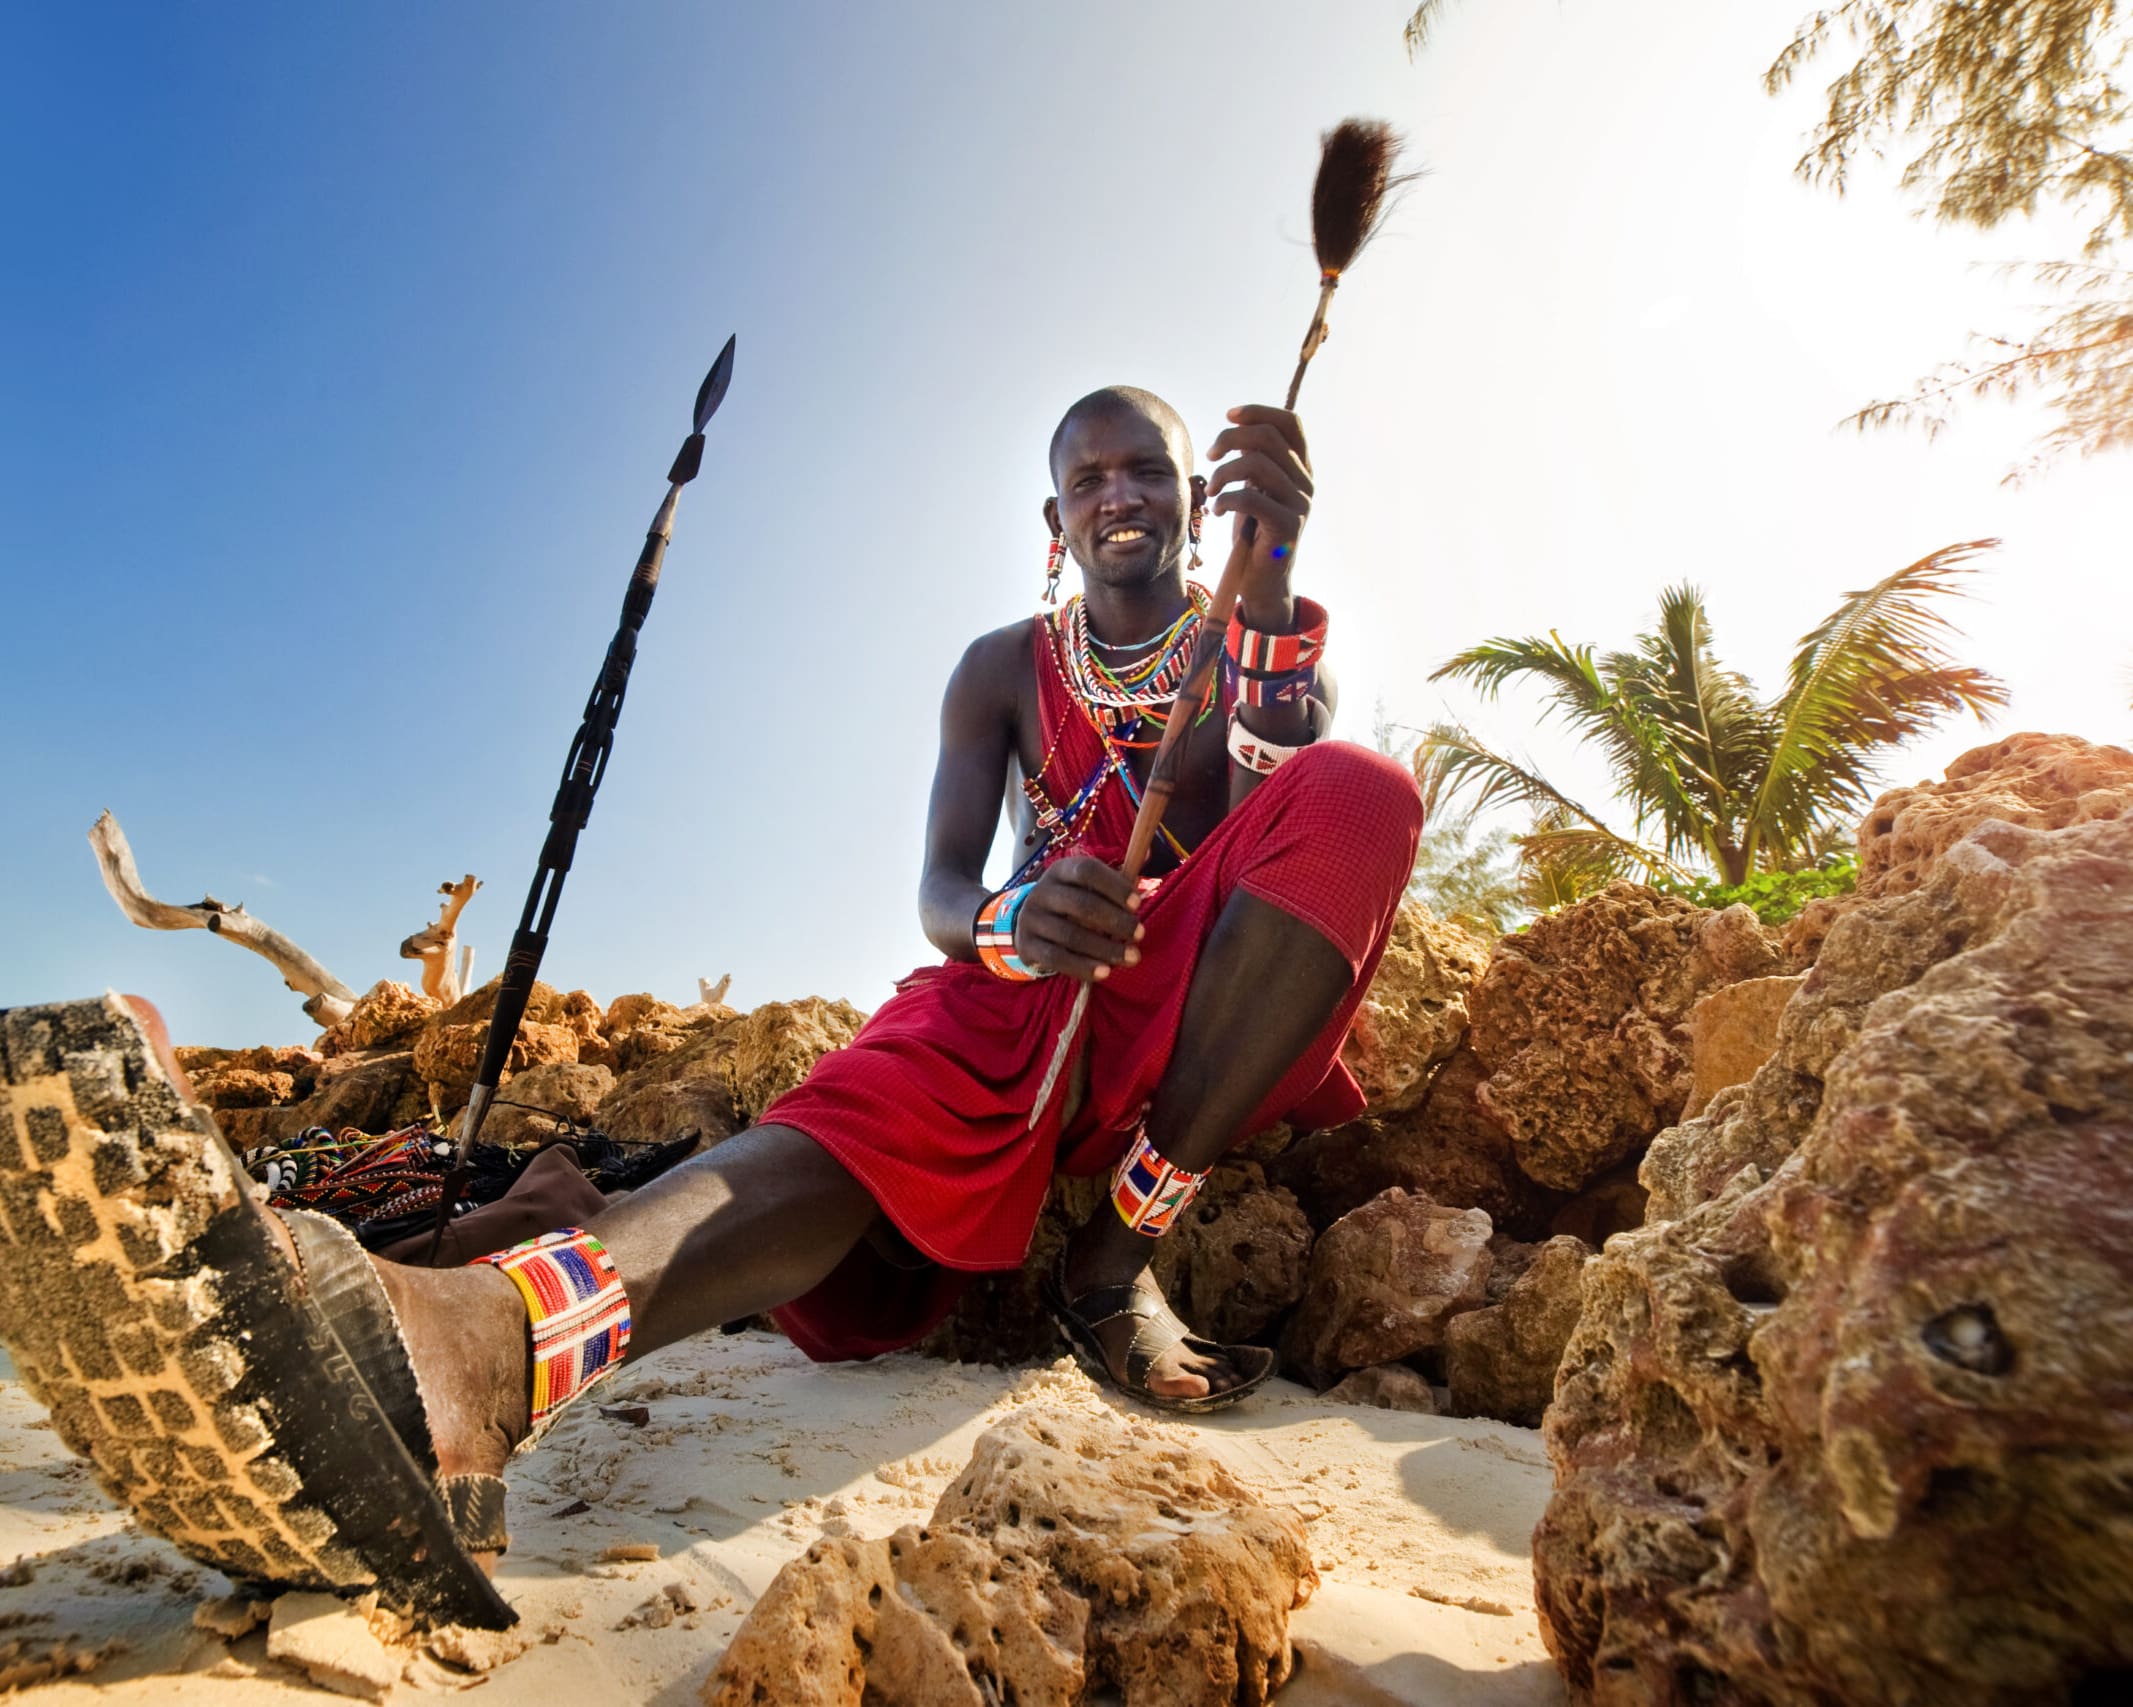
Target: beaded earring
x,y
1054,562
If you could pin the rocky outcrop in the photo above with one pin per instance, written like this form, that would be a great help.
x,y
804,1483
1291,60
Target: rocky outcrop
x,y
2041,782
1384,1387
541,1099
1448,1149
1070,1556
1416,1009
1732,1032
1500,1361
724,1071
387,1012
448,1048
1384,1281
1581,1024
777,1045
1853,1425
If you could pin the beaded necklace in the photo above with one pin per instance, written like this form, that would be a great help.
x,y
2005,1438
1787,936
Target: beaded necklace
x,y
1116,704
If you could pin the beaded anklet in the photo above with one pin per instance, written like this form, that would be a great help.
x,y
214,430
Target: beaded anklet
x,y
576,1311
1150,1193
993,932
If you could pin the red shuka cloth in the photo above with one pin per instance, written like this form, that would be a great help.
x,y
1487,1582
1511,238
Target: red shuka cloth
x,y
929,1106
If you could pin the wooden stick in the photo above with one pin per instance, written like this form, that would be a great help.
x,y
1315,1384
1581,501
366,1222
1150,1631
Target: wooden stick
x,y
328,999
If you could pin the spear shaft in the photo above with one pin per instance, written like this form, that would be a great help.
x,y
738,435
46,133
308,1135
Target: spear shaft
x,y
583,770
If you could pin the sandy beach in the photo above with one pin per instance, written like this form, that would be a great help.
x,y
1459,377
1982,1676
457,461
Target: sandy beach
x,y
638,1546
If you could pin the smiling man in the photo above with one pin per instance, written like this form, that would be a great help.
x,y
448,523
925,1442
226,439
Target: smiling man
x,y
1220,990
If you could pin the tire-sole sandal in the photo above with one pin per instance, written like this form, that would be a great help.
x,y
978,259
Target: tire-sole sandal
x,y
240,1407
1156,1330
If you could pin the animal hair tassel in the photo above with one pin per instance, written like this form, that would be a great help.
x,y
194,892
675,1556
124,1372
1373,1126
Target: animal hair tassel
x,y
1354,190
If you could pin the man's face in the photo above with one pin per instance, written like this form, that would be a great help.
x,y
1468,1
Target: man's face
x,y
1123,496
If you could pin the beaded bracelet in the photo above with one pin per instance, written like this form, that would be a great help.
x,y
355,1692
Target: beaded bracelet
x,y
1267,687
993,932
1255,752
1275,669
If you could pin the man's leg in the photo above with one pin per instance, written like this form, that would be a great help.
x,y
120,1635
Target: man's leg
x,y
754,1223
1265,987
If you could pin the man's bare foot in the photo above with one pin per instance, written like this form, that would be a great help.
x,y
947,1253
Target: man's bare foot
x,y
466,1337
1177,1373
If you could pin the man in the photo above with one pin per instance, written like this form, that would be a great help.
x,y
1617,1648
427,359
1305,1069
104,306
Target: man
x,y
1219,991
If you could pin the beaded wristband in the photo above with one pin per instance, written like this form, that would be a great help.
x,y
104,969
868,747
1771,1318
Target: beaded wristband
x,y
1268,687
1255,752
993,931
1258,654
577,1313
1150,1193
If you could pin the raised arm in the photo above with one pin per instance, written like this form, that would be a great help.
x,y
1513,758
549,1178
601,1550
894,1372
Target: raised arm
x,y
969,781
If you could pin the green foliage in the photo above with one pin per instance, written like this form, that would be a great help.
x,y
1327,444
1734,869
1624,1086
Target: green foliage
x,y
1472,880
1716,776
2010,104
1774,896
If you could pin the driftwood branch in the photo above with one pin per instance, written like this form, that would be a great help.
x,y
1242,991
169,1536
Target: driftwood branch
x,y
327,998
433,944
714,993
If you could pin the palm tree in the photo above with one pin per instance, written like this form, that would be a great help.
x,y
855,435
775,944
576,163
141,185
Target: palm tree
x,y
1712,773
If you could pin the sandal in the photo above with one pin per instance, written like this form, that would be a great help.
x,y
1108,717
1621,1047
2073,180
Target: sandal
x,y
263,1418
1156,1330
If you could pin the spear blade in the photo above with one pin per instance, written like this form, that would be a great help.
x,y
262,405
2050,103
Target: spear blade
x,y
713,391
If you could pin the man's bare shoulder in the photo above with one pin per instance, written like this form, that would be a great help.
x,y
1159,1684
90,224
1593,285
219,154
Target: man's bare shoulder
x,y
997,660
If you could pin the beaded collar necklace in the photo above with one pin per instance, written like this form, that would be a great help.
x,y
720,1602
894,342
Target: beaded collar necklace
x,y
1118,696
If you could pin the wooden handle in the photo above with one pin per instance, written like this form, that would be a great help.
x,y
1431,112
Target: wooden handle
x,y
1170,751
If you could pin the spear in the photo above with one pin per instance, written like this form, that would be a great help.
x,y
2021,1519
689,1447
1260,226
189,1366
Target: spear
x,y
582,771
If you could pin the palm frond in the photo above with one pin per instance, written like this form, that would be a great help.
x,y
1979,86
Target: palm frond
x,y
1458,773
1874,672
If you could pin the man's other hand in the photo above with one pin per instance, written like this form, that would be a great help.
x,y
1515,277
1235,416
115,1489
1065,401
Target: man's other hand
x,y
1079,920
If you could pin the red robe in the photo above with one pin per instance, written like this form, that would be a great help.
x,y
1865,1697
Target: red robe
x,y
929,1107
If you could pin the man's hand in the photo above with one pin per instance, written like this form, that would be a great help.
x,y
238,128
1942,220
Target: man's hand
x,y
1268,478
1079,920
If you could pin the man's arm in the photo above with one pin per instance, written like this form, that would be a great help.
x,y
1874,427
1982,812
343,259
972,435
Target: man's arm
x,y
969,779
1079,919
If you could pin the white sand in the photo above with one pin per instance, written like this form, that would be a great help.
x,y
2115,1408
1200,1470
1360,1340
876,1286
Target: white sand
x,y
1419,1526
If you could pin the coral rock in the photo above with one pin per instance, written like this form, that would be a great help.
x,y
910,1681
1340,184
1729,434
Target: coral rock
x,y
1500,1361
778,1044
1416,1009
1384,1281
330,1640
1448,1149
1611,1204
683,1091
538,1099
1072,1555
1239,1257
372,1092
1852,1426
2039,782
1581,1023
387,1012
448,1056
1732,1032
917,1620
1384,1387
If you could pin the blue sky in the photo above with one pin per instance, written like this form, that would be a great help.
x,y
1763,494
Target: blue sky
x,y
345,348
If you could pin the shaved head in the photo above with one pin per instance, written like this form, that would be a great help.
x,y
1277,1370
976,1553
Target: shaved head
x,y
1124,400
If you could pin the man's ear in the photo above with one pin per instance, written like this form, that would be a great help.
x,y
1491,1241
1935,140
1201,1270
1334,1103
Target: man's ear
x,y
1051,514
1199,491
